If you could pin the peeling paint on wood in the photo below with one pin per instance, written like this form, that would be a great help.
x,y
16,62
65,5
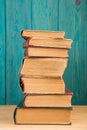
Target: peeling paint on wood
x,y
73,21
66,15
2,52
77,2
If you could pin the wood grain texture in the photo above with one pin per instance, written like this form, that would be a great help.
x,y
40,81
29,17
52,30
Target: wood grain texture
x,y
18,17
45,15
78,119
2,52
73,20
69,16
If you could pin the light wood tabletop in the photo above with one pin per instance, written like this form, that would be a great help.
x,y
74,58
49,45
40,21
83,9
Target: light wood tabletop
x,y
78,119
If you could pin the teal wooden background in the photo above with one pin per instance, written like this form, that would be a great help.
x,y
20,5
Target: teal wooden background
x,y
67,15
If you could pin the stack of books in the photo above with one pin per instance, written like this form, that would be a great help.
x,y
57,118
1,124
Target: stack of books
x,y
46,99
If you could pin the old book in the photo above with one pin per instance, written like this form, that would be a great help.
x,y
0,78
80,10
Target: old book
x,y
45,52
50,42
40,34
43,67
42,85
42,115
48,100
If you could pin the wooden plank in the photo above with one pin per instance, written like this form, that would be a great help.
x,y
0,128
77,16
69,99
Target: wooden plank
x,y
78,119
45,15
71,17
18,17
73,20
2,52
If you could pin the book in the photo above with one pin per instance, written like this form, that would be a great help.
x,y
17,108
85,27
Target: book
x,y
42,85
50,42
42,115
48,100
45,52
43,67
40,34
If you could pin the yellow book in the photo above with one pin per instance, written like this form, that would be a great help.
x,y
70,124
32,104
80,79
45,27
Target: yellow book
x,y
40,34
46,52
50,42
48,100
42,115
42,85
43,67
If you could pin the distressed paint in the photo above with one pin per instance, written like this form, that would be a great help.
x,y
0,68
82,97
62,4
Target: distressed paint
x,y
2,52
73,20
45,14
66,15
18,17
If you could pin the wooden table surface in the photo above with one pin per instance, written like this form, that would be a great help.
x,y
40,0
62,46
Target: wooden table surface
x,y
78,118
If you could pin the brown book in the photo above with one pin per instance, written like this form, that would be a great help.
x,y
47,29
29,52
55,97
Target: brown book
x,y
45,52
50,42
40,34
42,85
42,115
43,67
48,100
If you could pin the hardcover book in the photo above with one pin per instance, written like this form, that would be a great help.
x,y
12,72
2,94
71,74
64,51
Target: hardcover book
x,y
42,115
42,85
37,34
46,52
43,67
48,100
50,42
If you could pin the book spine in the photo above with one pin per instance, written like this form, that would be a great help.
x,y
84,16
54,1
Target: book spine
x,y
25,37
26,53
26,43
14,115
46,34
21,83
